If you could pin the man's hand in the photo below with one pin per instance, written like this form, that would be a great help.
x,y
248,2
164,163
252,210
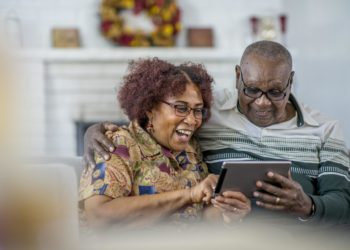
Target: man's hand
x,y
290,197
233,205
96,141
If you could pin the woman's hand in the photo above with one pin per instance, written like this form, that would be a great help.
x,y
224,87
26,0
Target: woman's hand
x,y
204,190
290,197
96,141
233,205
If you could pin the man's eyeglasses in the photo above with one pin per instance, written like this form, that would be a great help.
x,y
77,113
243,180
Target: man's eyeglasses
x,y
271,94
183,110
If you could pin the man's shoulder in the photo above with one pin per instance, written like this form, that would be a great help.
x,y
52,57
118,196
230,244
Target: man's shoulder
x,y
320,117
225,98
327,126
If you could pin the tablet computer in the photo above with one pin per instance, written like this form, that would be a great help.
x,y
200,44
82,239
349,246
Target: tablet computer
x,y
242,175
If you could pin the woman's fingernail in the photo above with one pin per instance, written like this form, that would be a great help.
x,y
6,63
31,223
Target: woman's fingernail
x,y
258,203
270,174
256,194
106,157
258,184
111,149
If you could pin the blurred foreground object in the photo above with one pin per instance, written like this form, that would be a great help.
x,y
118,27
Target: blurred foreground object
x,y
247,236
38,202
10,104
40,208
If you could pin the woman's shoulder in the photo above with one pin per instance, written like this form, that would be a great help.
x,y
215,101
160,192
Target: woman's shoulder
x,y
133,142
193,147
125,142
194,143
121,136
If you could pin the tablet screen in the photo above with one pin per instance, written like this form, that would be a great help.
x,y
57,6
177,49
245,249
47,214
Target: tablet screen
x,y
242,175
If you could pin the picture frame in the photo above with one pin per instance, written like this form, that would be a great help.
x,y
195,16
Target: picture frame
x,y
65,38
200,37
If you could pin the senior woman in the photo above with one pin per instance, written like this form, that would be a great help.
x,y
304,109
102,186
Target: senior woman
x,y
156,171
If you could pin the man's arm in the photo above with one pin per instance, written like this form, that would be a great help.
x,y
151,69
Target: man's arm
x,y
331,198
332,203
95,140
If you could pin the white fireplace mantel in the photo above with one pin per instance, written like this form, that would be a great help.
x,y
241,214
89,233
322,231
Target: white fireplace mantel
x,y
69,85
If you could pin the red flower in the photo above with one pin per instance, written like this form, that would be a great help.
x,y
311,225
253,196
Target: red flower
x,y
159,3
139,6
125,39
105,25
177,16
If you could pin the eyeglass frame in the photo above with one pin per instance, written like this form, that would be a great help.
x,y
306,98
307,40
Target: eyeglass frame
x,y
266,93
189,109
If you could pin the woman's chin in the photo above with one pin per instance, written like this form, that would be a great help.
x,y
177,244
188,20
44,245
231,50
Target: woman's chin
x,y
179,146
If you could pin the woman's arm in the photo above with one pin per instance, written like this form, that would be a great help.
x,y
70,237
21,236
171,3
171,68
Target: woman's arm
x,y
134,210
138,211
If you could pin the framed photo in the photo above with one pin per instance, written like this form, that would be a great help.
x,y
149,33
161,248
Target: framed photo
x,y
65,38
200,37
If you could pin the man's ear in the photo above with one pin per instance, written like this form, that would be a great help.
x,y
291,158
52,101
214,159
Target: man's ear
x,y
291,77
238,74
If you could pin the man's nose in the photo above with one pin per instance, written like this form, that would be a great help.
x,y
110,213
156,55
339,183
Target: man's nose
x,y
262,100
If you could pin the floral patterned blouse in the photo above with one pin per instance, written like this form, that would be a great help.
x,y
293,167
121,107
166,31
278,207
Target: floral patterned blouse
x,y
140,166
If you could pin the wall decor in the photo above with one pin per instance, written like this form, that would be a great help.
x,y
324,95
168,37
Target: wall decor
x,y
65,38
164,15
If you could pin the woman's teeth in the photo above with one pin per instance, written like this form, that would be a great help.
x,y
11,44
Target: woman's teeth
x,y
184,132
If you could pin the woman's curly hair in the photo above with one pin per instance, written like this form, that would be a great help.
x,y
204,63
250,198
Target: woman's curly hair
x,y
152,80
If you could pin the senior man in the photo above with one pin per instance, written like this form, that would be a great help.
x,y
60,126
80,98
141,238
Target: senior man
x,y
262,120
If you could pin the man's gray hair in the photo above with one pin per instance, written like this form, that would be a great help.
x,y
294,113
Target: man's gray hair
x,y
268,49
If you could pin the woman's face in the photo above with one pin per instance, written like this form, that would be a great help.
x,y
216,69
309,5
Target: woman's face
x,y
170,129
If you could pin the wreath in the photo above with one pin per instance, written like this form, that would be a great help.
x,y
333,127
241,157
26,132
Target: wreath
x,y
164,14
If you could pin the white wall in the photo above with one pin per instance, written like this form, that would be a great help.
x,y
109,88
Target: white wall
x,y
227,17
319,31
318,35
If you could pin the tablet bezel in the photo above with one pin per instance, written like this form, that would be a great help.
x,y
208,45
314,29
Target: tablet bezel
x,y
242,175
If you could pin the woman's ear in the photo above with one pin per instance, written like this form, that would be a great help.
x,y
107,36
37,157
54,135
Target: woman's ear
x,y
149,125
149,115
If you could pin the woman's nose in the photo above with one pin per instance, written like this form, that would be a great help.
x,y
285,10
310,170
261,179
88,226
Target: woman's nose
x,y
191,119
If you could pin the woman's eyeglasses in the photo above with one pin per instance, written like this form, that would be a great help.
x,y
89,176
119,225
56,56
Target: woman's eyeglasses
x,y
183,110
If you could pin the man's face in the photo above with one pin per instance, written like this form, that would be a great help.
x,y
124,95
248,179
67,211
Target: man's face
x,y
272,76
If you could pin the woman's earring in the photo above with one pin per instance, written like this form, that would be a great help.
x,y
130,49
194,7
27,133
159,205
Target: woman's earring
x,y
150,128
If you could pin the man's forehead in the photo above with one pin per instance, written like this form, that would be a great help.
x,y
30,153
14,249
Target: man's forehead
x,y
255,63
260,57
